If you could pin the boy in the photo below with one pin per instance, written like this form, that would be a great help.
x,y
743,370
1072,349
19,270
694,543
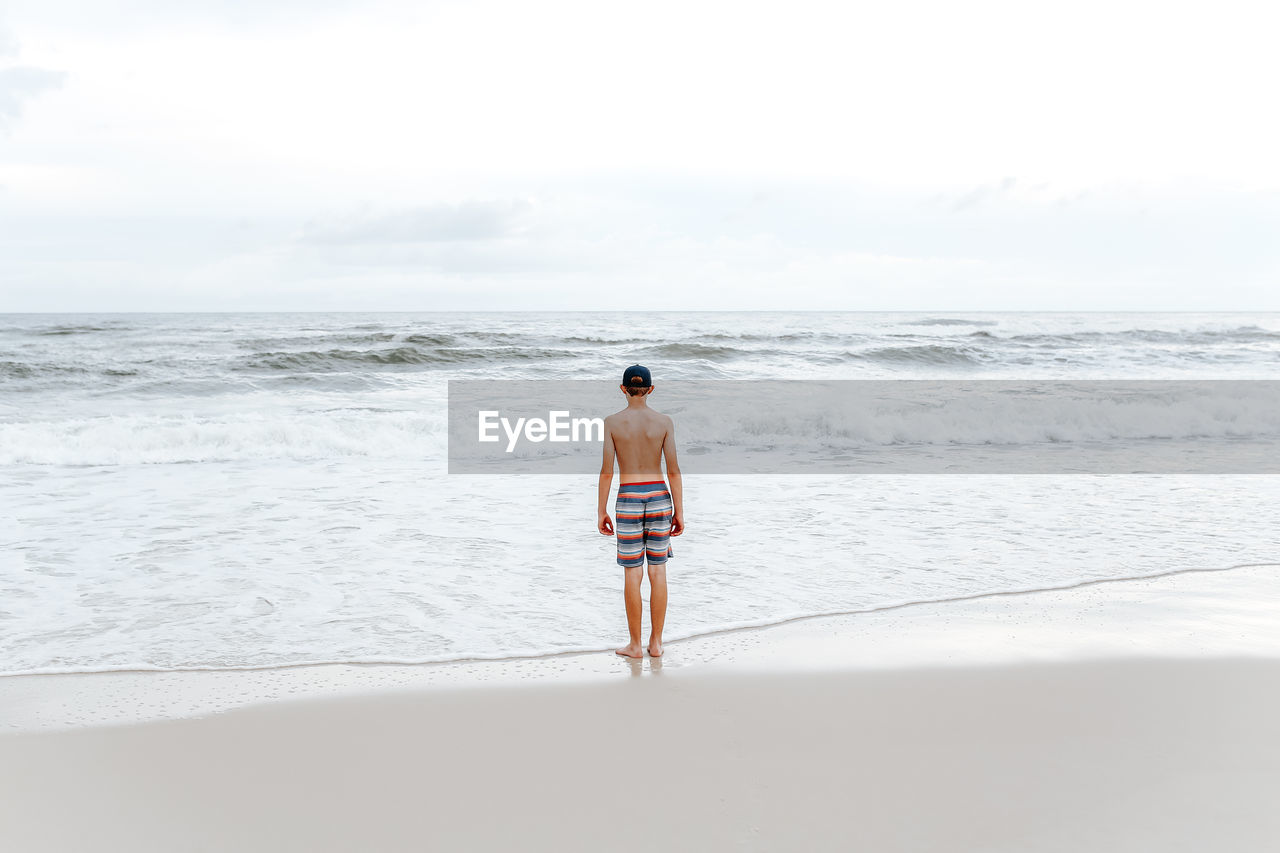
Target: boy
x,y
648,514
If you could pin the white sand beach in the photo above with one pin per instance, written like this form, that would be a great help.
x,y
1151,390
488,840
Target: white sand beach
x,y
1126,716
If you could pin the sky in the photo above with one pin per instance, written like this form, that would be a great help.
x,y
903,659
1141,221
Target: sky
x,y
941,156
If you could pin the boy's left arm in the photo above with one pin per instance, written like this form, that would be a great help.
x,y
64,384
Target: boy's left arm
x,y
674,480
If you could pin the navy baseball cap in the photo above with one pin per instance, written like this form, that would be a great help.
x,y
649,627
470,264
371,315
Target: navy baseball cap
x,y
637,377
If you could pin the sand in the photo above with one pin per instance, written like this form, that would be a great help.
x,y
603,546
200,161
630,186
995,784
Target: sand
x,y
1101,756
1125,717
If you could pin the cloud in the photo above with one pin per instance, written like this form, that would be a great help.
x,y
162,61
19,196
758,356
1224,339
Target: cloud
x,y
116,16
602,242
20,83
979,194
438,223
8,42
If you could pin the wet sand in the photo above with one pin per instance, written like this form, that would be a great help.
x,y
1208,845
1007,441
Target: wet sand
x,y
1131,716
1119,755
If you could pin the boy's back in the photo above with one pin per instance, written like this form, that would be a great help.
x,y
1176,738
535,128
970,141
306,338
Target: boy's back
x,y
638,437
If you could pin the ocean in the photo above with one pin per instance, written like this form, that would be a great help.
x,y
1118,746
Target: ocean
x,y
210,491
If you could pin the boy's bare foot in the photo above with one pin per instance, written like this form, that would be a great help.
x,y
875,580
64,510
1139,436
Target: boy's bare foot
x,y
655,650
631,650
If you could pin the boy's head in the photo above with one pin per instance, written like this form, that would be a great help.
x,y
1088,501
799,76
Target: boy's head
x,y
636,380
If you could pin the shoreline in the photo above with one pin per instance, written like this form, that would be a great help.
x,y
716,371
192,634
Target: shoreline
x,y
1162,615
698,635
1119,717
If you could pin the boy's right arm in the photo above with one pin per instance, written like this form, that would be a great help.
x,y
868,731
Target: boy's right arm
x,y
603,522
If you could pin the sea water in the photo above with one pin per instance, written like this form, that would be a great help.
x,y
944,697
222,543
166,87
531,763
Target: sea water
x,y
241,490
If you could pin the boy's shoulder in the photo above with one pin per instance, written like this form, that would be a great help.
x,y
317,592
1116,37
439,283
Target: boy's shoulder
x,y
650,413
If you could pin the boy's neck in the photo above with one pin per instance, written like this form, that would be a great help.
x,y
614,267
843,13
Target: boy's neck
x,y
641,402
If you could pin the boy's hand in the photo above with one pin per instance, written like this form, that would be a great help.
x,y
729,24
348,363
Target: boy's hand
x,y
677,525
605,524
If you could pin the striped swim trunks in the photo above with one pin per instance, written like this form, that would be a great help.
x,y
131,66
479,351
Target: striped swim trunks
x,y
643,513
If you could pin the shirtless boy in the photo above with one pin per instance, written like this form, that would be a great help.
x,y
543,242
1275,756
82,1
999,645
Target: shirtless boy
x,y
648,514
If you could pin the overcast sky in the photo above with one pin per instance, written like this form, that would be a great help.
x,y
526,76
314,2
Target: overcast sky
x,y
475,155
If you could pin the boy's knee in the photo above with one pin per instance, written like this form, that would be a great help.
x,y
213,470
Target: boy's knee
x,y
657,571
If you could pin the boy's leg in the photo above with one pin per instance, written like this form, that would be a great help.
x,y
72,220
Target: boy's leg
x,y
657,606
657,547
631,595
630,529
